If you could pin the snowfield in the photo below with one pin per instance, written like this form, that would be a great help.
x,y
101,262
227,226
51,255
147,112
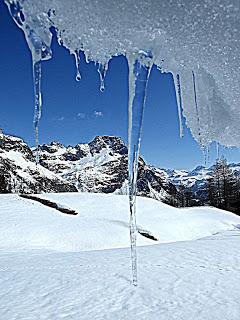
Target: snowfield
x,y
57,266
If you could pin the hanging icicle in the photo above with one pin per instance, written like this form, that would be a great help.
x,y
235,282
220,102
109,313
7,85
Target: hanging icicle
x,y
40,50
38,103
77,62
197,109
139,71
102,70
179,103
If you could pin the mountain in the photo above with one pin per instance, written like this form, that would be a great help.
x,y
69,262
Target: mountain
x,y
19,173
99,166
196,179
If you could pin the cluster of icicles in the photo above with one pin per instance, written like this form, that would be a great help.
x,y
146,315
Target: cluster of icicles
x,y
140,66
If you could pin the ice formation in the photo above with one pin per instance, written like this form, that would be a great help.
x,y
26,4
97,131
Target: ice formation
x,y
179,102
198,41
77,62
39,42
183,35
138,78
102,70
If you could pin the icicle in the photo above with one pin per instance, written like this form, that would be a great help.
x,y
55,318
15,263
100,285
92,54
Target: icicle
x,y
39,43
179,103
102,70
38,103
139,71
77,61
196,106
39,52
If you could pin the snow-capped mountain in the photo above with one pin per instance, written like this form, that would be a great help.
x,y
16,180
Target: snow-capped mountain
x,y
196,179
19,173
99,166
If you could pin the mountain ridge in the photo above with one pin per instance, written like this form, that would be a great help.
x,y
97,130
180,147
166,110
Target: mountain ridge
x,y
98,166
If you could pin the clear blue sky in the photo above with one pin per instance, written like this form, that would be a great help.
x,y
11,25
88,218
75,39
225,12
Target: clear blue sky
x,y
75,112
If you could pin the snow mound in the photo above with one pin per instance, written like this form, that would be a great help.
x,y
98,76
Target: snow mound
x,y
102,222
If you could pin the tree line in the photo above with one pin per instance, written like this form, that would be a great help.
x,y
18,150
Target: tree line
x,y
224,187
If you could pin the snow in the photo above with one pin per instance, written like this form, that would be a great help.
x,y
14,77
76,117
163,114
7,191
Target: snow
x,y
188,280
186,37
102,222
53,266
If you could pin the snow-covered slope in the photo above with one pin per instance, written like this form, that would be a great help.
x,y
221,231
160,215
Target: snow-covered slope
x,y
102,222
52,265
194,280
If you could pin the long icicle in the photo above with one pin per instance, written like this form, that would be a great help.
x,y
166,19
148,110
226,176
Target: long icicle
x,y
38,103
39,45
139,71
196,106
179,104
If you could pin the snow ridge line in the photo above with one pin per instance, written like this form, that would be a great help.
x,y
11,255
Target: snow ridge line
x,y
50,204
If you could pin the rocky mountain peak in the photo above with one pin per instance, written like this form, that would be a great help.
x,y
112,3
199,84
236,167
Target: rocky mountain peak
x,y
9,143
114,143
52,147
